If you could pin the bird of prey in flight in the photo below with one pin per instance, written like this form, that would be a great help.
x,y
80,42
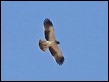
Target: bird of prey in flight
x,y
50,42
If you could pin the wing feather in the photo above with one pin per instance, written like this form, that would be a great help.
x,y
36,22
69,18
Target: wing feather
x,y
49,30
56,53
47,33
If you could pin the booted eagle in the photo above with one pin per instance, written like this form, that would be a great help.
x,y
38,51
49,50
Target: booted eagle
x,y
51,43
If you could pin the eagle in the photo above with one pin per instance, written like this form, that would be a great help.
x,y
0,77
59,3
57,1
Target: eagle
x,y
50,42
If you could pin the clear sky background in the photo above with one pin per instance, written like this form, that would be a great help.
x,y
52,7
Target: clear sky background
x,y
81,28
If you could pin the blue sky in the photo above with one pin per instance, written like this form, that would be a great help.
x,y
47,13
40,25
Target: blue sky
x,y
81,28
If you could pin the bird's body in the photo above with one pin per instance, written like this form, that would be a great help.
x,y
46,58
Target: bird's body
x,y
51,42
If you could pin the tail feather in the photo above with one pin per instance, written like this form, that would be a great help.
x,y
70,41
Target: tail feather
x,y
43,45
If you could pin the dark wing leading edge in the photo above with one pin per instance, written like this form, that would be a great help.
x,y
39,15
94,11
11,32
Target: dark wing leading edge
x,y
56,53
46,34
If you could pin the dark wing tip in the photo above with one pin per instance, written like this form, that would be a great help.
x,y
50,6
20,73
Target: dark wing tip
x,y
47,21
60,61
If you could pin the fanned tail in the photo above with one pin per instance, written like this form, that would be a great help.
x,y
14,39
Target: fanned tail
x,y
43,45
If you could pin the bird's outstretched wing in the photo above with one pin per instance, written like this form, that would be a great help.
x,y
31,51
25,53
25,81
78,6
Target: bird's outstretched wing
x,y
49,30
56,53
